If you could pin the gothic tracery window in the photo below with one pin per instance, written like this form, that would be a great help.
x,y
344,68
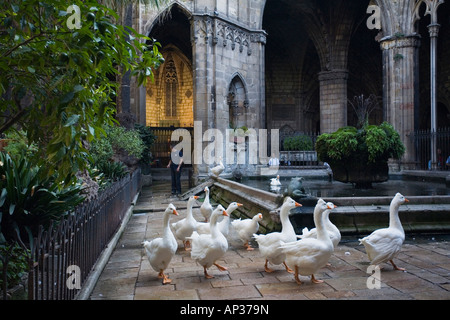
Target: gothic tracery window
x,y
171,89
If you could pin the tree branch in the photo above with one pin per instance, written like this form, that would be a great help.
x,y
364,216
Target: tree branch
x,y
13,120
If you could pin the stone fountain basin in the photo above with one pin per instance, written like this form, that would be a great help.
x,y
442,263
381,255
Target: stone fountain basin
x,y
353,216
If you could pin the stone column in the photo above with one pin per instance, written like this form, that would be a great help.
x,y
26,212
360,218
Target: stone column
x,y
333,100
433,29
400,89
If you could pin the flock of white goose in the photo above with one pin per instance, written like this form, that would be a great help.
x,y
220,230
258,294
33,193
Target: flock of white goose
x,y
300,254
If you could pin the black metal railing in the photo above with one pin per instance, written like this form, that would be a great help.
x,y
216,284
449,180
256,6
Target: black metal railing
x,y
62,257
423,141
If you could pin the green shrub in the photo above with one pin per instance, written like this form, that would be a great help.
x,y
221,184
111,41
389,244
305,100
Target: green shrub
x,y
298,143
128,140
18,144
116,138
369,144
148,138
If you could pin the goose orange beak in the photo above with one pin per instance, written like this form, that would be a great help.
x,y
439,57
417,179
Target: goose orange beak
x,y
298,204
196,197
225,213
239,204
406,200
175,212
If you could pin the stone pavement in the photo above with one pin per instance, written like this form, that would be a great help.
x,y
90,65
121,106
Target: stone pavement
x,y
128,275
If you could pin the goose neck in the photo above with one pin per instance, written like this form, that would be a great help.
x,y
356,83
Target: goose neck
x,y
214,227
286,225
394,219
322,233
166,223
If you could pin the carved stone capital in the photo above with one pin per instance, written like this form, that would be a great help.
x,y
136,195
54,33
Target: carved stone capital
x,y
400,41
333,75
433,29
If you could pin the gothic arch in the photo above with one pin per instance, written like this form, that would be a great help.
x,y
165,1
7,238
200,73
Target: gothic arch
x,y
237,100
170,98
165,14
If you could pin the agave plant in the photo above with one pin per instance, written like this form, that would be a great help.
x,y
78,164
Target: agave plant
x,y
27,201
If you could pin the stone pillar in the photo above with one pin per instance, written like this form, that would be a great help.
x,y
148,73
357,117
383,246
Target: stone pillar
x,y
333,100
400,89
433,29
201,66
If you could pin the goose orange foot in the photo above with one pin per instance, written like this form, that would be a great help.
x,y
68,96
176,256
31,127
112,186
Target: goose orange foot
x,y
287,268
220,267
314,280
395,267
297,279
266,267
165,278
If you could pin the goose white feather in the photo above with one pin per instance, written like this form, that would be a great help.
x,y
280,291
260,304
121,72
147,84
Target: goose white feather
x,y
275,181
161,250
217,170
383,245
333,231
208,248
224,224
206,208
186,226
308,255
270,244
246,228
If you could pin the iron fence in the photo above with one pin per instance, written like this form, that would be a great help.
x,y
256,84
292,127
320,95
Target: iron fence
x,y
161,146
62,257
422,142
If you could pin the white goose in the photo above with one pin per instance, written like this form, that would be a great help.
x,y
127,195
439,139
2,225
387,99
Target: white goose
x,y
333,231
206,209
186,226
275,181
208,248
224,225
217,170
383,245
308,255
269,244
161,250
246,228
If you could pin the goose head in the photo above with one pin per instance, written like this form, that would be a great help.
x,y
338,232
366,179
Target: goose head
x,y
331,205
399,199
257,217
171,209
206,189
219,211
322,205
233,206
290,203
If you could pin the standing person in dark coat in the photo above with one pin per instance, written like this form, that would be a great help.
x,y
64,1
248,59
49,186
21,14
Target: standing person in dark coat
x,y
175,165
